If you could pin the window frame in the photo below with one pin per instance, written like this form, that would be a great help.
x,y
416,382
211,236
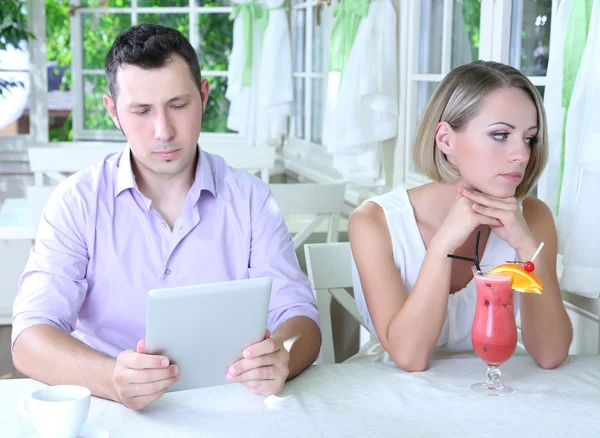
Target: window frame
x,y
303,157
80,133
309,161
38,98
495,45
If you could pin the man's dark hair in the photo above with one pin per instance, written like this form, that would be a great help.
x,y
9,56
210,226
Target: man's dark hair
x,y
149,46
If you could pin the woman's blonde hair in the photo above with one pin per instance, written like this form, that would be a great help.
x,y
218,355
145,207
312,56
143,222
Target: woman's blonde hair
x,y
457,100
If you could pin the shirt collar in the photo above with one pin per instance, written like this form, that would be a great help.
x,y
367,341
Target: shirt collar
x,y
125,178
203,179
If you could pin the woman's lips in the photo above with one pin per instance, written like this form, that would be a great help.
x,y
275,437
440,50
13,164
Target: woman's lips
x,y
512,177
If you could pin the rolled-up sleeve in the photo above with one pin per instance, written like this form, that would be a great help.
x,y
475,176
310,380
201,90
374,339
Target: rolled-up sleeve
x,y
272,254
53,286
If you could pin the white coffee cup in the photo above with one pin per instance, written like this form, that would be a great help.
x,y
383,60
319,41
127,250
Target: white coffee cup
x,y
57,411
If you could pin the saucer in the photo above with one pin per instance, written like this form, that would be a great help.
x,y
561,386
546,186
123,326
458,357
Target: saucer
x,y
87,431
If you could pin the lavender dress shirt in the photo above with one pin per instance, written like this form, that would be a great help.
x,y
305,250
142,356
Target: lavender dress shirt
x,y
101,246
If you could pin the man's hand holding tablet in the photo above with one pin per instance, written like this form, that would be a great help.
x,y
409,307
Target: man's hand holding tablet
x,y
141,378
264,368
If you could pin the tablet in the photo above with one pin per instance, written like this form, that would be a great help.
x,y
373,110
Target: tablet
x,y
204,329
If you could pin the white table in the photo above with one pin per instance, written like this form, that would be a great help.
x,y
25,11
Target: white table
x,y
363,400
15,220
16,239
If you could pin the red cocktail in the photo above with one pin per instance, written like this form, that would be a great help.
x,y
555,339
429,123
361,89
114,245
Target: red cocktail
x,y
494,332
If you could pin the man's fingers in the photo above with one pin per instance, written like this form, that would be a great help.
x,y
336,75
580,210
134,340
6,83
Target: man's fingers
x,y
144,389
141,346
152,375
267,346
264,387
142,401
245,365
262,373
132,359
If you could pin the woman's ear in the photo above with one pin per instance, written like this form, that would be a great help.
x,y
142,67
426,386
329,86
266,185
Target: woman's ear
x,y
443,138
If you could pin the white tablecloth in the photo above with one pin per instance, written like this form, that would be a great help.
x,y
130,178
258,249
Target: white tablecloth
x,y
362,400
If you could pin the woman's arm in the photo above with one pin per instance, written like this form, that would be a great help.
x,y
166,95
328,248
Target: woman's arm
x,y
408,326
545,325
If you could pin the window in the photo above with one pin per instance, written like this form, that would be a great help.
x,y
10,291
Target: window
x,y
447,33
441,36
310,42
530,38
309,73
23,107
434,37
97,23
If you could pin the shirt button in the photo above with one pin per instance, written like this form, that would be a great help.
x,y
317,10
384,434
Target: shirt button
x,y
163,225
180,227
168,272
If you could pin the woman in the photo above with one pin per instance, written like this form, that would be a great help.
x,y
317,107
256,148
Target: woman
x,y
483,143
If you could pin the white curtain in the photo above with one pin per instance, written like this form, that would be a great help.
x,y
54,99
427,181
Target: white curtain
x,y
242,95
259,108
14,100
579,222
578,218
549,182
276,93
363,111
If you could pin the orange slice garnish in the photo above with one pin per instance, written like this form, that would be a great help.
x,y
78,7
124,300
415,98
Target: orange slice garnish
x,y
522,281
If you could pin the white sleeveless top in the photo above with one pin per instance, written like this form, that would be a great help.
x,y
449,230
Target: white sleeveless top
x,y
409,252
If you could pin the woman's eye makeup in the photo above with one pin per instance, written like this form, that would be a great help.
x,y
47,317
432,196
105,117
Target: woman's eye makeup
x,y
499,136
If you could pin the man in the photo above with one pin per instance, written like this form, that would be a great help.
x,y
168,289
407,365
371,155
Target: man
x,y
162,213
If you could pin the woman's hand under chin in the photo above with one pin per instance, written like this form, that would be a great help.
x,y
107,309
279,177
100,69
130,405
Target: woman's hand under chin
x,y
513,229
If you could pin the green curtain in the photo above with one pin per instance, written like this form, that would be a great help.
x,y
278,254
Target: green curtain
x,y
575,40
348,15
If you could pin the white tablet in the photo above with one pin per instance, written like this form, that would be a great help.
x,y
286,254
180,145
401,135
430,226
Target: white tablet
x,y
204,329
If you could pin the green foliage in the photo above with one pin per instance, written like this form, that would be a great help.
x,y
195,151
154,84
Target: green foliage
x,y
471,10
215,36
13,30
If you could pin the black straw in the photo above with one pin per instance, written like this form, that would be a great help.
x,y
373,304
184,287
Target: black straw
x,y
477,251
468,259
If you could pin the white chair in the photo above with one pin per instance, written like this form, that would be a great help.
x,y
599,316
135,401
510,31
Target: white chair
x,y
14,254
329,268
323,200
57,162
67,158
252,160
36,199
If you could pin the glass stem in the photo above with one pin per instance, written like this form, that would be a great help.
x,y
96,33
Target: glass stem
x,y
493,377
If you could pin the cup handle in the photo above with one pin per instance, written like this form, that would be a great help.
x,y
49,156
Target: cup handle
x,y
23,407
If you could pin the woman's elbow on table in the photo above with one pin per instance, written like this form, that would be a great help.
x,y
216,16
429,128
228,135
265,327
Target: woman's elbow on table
x,y
410,363
406,355
549,361
553,353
